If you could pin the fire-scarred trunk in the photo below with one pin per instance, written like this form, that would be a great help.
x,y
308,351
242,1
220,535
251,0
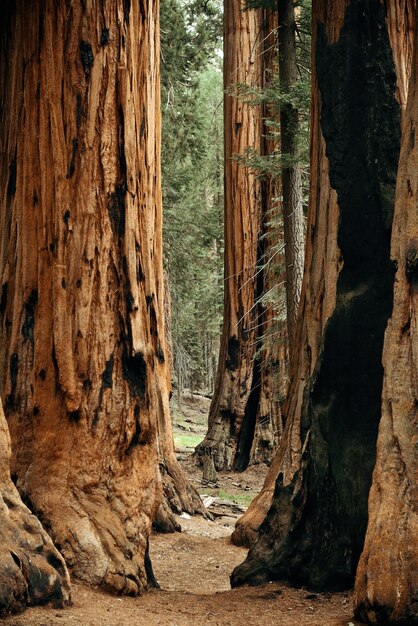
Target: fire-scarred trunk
x,y
387,576
314,531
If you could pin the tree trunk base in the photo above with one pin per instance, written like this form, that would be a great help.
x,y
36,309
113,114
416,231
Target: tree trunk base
x,y
178,495
103,544
97,509
164,520
246,527
32,571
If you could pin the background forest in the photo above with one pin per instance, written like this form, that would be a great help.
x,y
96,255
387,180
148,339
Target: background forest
x,y
193,177
192,162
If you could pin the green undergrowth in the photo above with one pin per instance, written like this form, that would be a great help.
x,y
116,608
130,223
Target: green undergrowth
x,y
244,499
187,440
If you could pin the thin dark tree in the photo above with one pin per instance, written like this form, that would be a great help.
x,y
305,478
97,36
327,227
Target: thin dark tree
x,y
291,178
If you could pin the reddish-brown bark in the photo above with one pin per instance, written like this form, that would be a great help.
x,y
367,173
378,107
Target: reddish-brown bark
x,y
32,571
83,369
244,418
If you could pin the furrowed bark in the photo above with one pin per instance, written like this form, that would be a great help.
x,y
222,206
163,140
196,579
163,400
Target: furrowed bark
x,y
314,531
83,368
386,588
236,397
245,417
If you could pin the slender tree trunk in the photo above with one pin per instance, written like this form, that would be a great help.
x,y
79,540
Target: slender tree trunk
x,y
83,367
272,337
314,531
387,576
292,205
32,571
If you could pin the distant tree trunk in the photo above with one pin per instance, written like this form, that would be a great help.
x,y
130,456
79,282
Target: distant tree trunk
x,y
272,336
83,366
234,405
387,575
244,417
292,205
32,571
314,531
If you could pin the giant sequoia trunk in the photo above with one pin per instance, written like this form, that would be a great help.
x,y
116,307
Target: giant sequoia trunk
x,y
32,571
387,576
82,370
235,415
314,531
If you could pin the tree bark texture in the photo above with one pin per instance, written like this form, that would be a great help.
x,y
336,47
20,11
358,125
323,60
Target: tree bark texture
x,y
292,204
322,265
234,409
83,369
272,336
32,571
387,576
314,531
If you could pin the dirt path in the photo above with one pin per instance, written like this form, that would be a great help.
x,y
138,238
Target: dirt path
x,y
193,569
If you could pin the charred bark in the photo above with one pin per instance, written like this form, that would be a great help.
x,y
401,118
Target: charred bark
x,y
314,531
386,588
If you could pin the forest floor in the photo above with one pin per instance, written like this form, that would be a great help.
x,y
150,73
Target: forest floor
x,y
193,567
